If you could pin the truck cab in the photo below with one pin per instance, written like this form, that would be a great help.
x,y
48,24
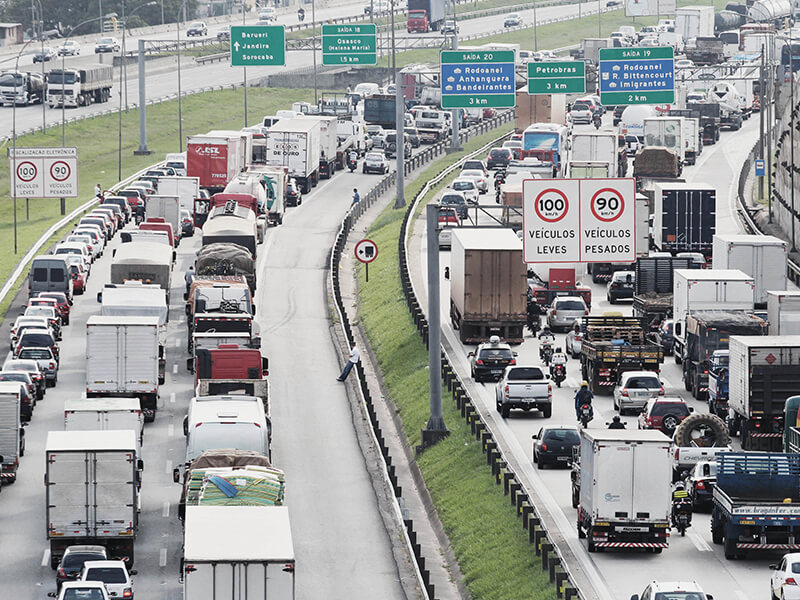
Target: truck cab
x,y
548,142
718,383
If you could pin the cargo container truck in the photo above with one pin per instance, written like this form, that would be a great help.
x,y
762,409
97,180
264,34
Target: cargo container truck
x,y
102,414
783,312
214,160
684,217
539,108
763,257
80,87
692,22
12,435
295,144
425,15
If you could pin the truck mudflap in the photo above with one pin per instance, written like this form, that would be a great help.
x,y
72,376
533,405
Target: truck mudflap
x,y
631,544
749,546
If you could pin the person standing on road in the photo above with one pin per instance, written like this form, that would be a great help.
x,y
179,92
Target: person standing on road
x,y
98,191
189,278
356,196
355,356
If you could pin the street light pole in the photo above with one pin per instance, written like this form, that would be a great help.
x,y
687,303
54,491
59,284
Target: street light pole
x,y
180,112
314,44
244,71
14,141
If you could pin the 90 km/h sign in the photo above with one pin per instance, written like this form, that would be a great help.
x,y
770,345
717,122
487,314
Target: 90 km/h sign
x,y
578,220
44,172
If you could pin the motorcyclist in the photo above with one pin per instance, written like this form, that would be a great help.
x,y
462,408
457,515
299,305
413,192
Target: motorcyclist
x,y
352,159
558,358
546,336
681,502
301,14
597,120
616,423
583,396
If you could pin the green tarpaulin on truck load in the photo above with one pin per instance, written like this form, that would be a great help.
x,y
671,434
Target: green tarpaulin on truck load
x,y
251,486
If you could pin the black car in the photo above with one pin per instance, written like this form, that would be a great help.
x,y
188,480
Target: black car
x,y
664,336
457,201
187,224
620,287
224,36
553,445
45,55
490,360
700,482
618,110
72,562
197,28
499,158
293,195
413,136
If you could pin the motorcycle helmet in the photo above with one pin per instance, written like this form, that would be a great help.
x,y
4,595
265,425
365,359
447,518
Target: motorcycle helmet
x,y
616,419
679,486
584,384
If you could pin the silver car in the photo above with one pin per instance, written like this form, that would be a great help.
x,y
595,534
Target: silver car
x,y
635,388
564,311
46,361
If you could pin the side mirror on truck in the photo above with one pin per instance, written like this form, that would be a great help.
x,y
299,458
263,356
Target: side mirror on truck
x,y
176,475
190,365
264,366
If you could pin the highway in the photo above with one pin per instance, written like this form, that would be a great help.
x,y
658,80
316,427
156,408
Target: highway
x,y
162,77
611,575
341,544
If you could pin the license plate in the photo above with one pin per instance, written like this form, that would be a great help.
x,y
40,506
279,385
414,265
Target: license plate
x,y
496,371
564,458
632,529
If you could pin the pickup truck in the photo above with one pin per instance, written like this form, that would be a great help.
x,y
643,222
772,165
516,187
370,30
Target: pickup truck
x,y
524,387
697,438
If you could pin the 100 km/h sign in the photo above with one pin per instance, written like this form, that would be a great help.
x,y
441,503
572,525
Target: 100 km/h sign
x,y
349,45
578,220
44,172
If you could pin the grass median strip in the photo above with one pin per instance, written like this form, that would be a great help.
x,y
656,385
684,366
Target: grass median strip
x,y
491,547
97,140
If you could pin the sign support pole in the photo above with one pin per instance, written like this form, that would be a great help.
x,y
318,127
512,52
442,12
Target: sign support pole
x,y
142,105
399,111
455,144
435,429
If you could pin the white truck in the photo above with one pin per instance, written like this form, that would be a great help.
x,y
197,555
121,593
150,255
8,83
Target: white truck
x,y
165,207
125,359
238,553
12,435
783,312
625,489
102,414
272,182
81,86
524,387
694,21
134,299
631,124
692,141
328,144
295,143
666,132
185,188
92,481
763,257
707,289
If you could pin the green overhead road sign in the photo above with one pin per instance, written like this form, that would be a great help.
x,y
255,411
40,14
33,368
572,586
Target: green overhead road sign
x,y
477,79
349,45
562,77
258,45
637,76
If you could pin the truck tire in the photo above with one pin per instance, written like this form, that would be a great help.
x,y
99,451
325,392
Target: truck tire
x,y
730,548
717,532
704,430
547,411
575,498
505,411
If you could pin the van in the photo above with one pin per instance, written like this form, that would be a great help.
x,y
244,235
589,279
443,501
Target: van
x,y
49,274
177,160
267,14
367,89
226,423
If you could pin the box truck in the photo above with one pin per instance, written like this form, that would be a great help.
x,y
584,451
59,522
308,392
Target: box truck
x,y
12,435
763,257
165,207
694,21
328,141
185,188
102,414
625,489
214,160
783,312
666,132
684,217
488,283
295,143
92,481
124,359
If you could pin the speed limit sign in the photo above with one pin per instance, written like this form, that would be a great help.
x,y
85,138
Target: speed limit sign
x,y
44,172
550,220
608,220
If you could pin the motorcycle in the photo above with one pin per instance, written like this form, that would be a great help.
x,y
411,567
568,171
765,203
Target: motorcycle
x,y
559,374
681,517
545,353
352,164
597,121
586,415
301,14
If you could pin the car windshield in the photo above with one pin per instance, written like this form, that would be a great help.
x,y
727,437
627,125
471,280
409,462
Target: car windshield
x,y
581,106
11,79
570,305
452,199
496,353
463,185
36,353
522,373
569,436
499,153
669,408
679,596
83,594
16,376
643,383
106,575
107,41
74,560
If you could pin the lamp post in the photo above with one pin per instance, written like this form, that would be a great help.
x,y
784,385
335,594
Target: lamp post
x,y
314,44
14,140
180,112
41,37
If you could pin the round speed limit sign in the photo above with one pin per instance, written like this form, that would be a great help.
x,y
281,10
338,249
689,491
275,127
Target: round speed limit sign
x,y
60,170
551,205
26,171
607,205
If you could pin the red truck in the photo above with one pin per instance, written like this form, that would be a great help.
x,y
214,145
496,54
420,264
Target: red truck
x,y
561,282
231,370
425,15
215,159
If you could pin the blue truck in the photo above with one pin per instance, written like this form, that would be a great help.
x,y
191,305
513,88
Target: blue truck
x,y
756,503
718,383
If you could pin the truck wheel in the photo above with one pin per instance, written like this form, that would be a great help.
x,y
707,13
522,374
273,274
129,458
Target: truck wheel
x,y
575,499
730,548
505,411
547,411
704,430
716,533
678,359
54,560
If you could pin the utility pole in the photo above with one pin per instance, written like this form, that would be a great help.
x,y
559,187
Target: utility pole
x,y
763,101
455,142
400,114
314,44
244,71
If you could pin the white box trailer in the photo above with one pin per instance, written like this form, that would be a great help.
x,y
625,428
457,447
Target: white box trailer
x,y
124,358
102,414
666,132
783,312
763,257
625,488
92,491
238,553
134,299
165,207
694,21
11,432
601,146
328,141
295,143
185,188
707,289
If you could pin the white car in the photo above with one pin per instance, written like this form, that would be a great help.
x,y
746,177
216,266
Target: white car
x,y
684,63
83,590
69,48
468,187
785,580
672,590
112,573
375,162
84,238
634,389
480,179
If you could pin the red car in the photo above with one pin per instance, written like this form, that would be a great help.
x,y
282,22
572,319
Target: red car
x,y
78,279
63,304
664,413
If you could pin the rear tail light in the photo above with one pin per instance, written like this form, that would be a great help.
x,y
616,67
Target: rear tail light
x,y
61,573
555,312
479,362
544,446
625,393
790,581
700,485
513,361
586,312
661,392
127,593
52,365
677,452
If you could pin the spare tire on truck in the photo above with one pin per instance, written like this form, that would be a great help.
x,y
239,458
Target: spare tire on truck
x,y
702,430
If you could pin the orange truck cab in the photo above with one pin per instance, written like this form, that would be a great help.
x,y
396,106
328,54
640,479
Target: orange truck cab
x,y
230,361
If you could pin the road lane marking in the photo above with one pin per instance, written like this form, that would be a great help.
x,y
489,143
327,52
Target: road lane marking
x,y
175,369
698,542
162,557
172,397
171,430
169,467
46,557
177,342
165,510
741,595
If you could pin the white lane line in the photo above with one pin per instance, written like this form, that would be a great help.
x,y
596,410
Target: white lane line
x,y
177,342
165,510
171,430
162,557
698,542
175,369
169,467
741,595
46,557
172,397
